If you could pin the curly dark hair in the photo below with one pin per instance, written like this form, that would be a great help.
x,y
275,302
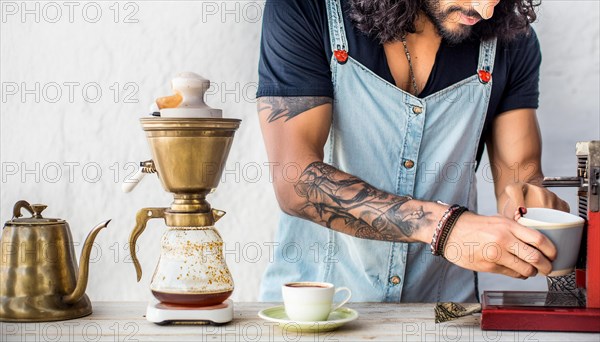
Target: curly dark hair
x,y
389,20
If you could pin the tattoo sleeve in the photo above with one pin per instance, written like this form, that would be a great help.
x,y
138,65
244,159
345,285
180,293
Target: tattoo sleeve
x,y
289,107
347,204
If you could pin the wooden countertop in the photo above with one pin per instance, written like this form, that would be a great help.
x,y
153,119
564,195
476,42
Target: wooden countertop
x,y
125,321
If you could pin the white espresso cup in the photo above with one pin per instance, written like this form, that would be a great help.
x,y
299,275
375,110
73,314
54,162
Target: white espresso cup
x,y
563,229
311,301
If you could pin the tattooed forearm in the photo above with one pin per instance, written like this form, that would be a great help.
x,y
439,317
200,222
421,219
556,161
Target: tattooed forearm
x,y
289,107
345,203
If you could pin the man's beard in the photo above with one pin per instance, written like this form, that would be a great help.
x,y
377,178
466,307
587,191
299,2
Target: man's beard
x,y
450,15
388,19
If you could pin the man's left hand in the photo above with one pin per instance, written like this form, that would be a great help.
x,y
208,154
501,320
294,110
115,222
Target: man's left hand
x,y
529,196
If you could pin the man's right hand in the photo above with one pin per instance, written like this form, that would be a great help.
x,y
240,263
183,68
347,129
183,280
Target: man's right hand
x,y
499,245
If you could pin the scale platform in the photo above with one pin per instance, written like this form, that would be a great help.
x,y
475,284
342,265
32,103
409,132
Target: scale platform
x,y
163,313
537,311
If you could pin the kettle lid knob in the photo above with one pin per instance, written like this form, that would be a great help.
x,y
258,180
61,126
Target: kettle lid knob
x,y
37,210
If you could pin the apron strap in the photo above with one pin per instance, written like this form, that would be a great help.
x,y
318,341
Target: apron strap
x,y
337,32
487,55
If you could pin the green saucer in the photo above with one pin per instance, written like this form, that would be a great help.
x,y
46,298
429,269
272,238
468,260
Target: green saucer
x,y
335,320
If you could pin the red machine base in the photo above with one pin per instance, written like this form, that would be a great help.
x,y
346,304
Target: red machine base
x,y
533,316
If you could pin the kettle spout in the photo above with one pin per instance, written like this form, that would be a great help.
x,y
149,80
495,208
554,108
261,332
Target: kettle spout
x,y
84,263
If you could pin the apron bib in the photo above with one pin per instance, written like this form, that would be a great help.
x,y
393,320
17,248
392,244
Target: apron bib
x,y
422,147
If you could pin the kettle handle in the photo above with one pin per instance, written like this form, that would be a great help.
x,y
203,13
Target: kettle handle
x,y
22,204
141,218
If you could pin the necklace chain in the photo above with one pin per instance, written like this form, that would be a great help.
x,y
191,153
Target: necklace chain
x,y
410,67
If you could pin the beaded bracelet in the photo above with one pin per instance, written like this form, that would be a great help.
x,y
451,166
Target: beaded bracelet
x,y
438,228
447,229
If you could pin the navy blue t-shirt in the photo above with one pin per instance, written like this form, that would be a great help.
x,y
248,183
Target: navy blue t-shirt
x,y
296,51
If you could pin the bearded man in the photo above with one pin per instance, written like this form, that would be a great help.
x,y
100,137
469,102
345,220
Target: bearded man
x,y
383,107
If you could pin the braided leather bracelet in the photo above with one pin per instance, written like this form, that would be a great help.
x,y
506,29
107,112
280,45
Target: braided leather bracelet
x,y
447,229
440,225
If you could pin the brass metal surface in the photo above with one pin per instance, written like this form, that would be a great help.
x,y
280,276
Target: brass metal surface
x,y
21,205
148,166
189,154
177,124
177,219
37,210
84,265
141,219
40,279
187,203
36,215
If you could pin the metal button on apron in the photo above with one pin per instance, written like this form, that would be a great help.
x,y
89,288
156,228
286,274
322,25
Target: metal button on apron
x,y
409,164
417,110
395,280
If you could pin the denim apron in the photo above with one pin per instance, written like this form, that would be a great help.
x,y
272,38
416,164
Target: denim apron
x,y
401,144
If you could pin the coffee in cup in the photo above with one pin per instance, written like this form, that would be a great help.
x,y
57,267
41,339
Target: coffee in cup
x,y
311,301
563,229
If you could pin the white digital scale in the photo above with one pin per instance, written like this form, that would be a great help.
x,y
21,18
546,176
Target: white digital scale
x,y
163,313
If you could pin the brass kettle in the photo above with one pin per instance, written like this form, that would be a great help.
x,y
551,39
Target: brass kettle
x,y
39,280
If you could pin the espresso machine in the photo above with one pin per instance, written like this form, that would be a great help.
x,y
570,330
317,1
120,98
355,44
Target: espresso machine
x,y
572,302
189,142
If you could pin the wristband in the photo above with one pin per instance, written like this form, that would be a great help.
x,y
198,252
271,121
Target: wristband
x,y
440,225
447,227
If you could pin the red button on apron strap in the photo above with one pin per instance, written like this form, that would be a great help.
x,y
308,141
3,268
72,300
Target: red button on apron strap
x,y
484,76
341,56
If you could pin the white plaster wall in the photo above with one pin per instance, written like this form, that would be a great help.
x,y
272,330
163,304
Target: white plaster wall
x,y
63,144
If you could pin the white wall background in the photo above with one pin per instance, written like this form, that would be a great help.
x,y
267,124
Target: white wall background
x,y
65,144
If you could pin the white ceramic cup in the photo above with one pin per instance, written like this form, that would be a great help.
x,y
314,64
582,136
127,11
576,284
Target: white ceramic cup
x,y
311,301
563,229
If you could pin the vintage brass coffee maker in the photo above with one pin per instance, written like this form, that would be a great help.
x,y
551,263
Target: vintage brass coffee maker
x,y
189,144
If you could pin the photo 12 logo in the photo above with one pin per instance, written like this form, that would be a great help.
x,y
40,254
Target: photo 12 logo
x,y
70,331
69,12
69,91
236,92
232,11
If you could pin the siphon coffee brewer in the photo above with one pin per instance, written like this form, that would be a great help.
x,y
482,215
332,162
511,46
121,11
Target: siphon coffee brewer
x,y
189,142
